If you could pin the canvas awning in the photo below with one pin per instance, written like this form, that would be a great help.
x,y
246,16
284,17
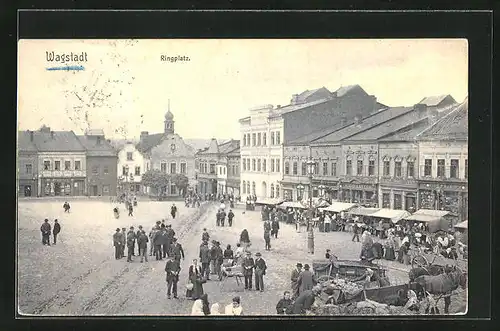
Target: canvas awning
x,y
363,211
268,201
462,225
337,207
392,214
427,215
292,204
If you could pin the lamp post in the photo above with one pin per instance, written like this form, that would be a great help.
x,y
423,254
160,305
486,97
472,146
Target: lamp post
x,y
310,236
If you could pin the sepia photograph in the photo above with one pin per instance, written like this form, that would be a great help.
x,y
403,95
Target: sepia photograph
x,y
242,177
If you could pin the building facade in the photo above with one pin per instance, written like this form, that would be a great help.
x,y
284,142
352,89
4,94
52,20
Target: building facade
x,y
61,163
443,164
27,165
268,129
169,153
233,161
101,164
130,168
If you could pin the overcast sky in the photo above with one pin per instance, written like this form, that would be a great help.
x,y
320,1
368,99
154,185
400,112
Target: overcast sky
x,y
125,88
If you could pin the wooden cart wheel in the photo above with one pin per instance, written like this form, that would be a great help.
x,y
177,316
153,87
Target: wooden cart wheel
x,y
419,261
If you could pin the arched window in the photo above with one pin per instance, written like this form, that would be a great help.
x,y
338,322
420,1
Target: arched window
x,y
277,191
348,165
272,191
287,168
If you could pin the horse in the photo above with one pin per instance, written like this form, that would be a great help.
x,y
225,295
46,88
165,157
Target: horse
x,y
431,270
443,284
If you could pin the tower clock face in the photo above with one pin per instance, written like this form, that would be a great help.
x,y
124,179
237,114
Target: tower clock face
x,y
172,147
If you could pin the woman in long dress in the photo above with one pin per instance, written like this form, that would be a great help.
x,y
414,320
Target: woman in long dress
x,y
195,278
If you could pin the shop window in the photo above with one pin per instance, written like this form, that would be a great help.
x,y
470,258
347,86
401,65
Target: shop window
x,y
440,168
398,203
428,168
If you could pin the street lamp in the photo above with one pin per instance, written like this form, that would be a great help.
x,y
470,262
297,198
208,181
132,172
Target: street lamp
x,y
310,236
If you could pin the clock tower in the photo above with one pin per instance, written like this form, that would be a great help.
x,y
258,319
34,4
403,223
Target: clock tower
x,y
169,121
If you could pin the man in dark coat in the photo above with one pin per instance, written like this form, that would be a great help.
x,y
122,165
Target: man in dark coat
x,y
45,229
130,244
130,210
248,265
217,219
306,280
260,271
218,255
170,237
356,231
133,236
176,251
66,207
142,243
158,241
117,243
205,260
173,211
205,236
305,301
230,217
284,305
123,238
138,233
56,230
275,227
267,239
172,268
295,279
213,258
222,217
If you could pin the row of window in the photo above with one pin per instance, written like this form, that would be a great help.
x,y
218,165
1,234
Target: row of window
x,y
206,168
245,188
232,170
260,139
326,169
260,165
137,171
173,168
47,165
454,168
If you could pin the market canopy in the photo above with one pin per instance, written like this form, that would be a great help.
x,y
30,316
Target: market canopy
x,y
337,207
392,214
292,204
462,225
427,215
363,211
268,201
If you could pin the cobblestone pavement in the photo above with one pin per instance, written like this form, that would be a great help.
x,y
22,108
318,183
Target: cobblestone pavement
x,y
79,276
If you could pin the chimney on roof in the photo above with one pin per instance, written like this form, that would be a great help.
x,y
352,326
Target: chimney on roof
x,y
45,129
295,99
32,134
144,134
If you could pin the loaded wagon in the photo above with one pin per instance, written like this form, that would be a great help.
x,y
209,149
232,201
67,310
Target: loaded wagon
x,y
346,269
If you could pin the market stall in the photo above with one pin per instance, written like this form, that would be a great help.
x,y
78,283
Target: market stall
x,y
435,220
387,217
337,207
268,202
292,204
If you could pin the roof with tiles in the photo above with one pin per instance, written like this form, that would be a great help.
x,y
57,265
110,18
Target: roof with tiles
x,y
149,141
366,124
453,125
313,136
434,101
57,141
346,90
97,146
24,143
302,97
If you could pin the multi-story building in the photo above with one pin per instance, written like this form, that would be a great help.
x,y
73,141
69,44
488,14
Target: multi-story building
x,y
214,164
233,161
268,128
61,163
443,163
101,164
27,164
130,168
169,153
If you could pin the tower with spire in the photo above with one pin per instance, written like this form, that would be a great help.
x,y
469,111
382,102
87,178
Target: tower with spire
x,y
169,121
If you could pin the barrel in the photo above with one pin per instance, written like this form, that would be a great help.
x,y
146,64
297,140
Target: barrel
x,y
310,242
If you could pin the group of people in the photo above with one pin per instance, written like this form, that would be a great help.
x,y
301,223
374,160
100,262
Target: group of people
x,y
201,307
221,216
162,241
46,230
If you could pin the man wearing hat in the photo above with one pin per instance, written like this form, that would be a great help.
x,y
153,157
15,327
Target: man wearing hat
x,y
172,268
205,236
260,271
305,301
123,238
130,244
176,250
205,260
142,244
117,243
248,265
137,235
295,278
306,280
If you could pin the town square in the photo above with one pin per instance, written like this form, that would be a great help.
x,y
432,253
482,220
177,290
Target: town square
x,y
152,198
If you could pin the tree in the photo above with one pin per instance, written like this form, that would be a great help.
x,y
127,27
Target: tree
x,y
181,182
155,179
